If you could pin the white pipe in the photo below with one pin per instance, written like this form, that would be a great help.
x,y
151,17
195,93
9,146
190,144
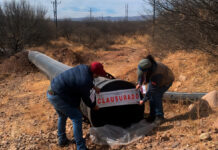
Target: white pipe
x,y
47,65
183,96
52,68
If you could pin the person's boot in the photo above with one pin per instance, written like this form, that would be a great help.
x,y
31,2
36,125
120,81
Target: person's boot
x,y
63,141
159,120
150,119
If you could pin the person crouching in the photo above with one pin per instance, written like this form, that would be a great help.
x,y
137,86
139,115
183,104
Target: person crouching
x,y
65,93
159,79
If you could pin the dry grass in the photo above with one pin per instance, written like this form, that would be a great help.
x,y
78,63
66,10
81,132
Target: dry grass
x,y
194,71
18,63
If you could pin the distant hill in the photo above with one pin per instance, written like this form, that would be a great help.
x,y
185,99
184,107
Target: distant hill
x,y
109,18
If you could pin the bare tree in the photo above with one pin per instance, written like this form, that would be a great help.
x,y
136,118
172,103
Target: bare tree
x,y
66,28
194,23
24,25
2,32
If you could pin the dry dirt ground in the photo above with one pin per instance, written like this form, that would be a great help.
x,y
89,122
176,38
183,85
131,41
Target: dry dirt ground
x,y
28,121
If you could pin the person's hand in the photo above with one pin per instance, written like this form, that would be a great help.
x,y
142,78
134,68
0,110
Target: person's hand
x,y
138,86
97,90
96,108
141,102
109,76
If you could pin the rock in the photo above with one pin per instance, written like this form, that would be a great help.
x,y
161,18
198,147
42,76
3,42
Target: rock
x,y
177,84
165,138
140,146
200,132
150,140
216,130
175,90
35,124
211,98
4,142
54,132
13,146
32,147
41,132
199,109
175,144
178,123
18,145
205,136
216,124
182,78
196,148
30,138
52,146
116,147
181,135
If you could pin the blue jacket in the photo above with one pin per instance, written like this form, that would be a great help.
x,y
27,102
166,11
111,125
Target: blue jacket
x,y
74,84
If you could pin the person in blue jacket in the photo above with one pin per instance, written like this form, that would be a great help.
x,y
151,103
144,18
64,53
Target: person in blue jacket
x,y
65,93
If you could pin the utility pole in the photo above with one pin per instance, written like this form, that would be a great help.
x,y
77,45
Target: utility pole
x,y
154,18
126,12
55,3
90,12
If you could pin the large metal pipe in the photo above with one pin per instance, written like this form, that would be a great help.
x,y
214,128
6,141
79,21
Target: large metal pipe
x,y
183,96
47,65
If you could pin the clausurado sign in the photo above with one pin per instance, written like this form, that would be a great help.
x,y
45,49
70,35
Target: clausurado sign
x,y
116,98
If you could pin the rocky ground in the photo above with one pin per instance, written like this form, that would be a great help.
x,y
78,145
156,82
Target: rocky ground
x,y
28,121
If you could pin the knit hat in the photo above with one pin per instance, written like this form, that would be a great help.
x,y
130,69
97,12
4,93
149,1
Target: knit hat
x,y
143,66
98,69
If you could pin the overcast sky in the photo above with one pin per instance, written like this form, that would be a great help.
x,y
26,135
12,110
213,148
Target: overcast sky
x,y
80,8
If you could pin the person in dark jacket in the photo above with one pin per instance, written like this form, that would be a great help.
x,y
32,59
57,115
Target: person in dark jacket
x,y
159,79
65,93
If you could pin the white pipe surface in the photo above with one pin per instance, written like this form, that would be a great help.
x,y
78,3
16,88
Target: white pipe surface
x,y
183,96
47,65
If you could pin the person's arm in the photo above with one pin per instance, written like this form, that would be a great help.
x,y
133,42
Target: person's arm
x,y
148,94
97,90
86,98
88,102
155,81
140,81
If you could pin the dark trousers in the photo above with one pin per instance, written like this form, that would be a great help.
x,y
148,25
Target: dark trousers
x,y
64,110
156,105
